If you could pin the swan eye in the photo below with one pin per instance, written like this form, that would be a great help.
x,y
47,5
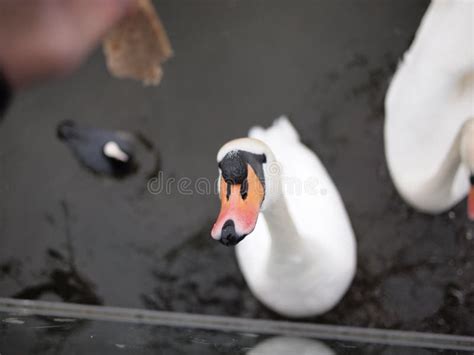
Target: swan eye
x,y
229,186
244,188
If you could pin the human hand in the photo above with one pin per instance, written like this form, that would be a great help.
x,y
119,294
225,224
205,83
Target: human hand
x,y
44,38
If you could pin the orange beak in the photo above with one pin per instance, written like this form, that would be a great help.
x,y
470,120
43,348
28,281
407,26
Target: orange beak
x,y
470,204
240,206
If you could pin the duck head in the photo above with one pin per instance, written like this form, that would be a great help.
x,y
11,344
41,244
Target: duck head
x,y
248,183
467,157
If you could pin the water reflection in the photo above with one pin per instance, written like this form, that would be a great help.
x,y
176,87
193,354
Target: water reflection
x,y
289,345
63,332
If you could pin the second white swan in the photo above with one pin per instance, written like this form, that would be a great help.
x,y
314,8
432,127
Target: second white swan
x,y
429,124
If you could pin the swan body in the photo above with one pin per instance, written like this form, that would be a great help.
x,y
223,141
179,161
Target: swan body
x,y
301,256
429,129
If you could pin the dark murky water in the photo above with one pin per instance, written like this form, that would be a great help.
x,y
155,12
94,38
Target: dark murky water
x,y
67,234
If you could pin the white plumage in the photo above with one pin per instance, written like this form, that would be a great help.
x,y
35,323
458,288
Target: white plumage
x,y
429,130
304,272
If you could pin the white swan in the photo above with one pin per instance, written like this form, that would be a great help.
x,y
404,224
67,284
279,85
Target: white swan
x,y
301,257
429,129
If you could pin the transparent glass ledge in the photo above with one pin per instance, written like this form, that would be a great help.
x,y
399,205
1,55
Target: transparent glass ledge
x,y
37,327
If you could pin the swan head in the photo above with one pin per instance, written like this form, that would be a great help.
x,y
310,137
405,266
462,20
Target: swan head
x,y
248,183
467,157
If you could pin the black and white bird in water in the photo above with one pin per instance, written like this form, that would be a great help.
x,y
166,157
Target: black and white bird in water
x,y
104,152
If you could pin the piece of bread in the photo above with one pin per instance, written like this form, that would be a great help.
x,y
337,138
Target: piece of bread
x,y
138,45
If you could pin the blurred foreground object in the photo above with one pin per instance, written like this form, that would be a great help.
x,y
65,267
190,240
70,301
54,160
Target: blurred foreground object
x,y
138,46
40,39
429,124
5,95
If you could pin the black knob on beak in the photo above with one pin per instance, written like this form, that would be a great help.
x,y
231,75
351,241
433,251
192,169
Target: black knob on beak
x,y
228,236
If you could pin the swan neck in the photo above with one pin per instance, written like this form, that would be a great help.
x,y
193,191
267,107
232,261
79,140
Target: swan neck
x,y
445,175
283,232
437,190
